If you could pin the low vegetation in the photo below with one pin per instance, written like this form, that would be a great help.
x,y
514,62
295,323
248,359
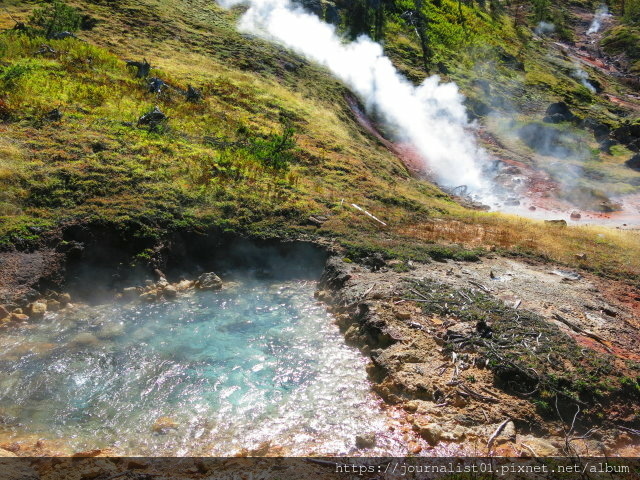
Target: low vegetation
x,y
270,141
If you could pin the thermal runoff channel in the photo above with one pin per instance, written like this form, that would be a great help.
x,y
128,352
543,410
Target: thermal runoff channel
x,y
431,116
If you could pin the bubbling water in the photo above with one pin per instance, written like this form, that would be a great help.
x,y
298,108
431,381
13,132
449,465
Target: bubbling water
x,y
232,369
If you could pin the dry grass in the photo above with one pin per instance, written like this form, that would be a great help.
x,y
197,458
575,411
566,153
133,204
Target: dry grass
x,y
606,250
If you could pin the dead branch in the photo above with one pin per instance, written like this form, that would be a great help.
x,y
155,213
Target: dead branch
x,y
493,437
582,331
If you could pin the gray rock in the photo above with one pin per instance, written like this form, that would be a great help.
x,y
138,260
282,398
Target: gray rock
x,y
209,281
368,440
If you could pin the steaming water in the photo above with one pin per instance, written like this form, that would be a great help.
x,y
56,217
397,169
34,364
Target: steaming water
x,y
601,14
232,369
431,116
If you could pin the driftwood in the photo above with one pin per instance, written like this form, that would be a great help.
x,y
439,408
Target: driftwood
x,y
582,331
368,214
495,434
193,94
143,67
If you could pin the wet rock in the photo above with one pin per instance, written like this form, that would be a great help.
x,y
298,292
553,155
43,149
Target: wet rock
x,y
37,309
367,440
209,281
634,162
150,296
130,293
64,298
184,285
84,339
111,331
53,305
3,312
18,317
164,425
170,292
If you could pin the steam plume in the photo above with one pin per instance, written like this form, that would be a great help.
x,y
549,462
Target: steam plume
x,y
601,13
583,78
545,28
430,116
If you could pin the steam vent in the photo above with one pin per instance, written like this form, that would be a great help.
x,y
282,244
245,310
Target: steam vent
x,y
246,239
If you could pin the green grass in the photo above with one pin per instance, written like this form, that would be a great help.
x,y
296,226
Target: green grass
x,y
229,161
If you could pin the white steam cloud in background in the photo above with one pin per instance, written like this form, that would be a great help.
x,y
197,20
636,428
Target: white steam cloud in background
x,y
601,14
430,116
544,28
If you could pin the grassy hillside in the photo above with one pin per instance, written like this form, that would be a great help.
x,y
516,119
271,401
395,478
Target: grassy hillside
x,y
227,160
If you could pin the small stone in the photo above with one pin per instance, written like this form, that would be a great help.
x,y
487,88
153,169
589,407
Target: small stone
x,y
581,256
164,425
431,432
576,215
367,440
184,285
402,314
150,296
209,281
414,448
38,309
170,291
18,317
64,298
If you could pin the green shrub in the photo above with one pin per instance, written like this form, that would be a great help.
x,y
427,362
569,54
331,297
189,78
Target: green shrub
x,y
55,17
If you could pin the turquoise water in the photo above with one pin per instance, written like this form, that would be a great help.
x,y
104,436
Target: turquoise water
x,y
258,362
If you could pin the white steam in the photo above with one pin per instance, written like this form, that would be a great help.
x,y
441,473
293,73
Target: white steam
x,y
601,14
544,28
430,116
583,78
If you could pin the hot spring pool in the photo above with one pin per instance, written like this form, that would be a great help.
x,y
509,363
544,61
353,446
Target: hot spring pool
x,y
258,362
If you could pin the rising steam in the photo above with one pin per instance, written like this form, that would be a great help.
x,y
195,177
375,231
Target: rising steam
x,y
430,116
601,14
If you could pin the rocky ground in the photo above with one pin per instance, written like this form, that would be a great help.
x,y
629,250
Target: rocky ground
x,y
440,334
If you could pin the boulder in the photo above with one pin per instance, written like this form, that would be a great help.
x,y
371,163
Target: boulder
x,y
209,281
170,291
38,309
634,162
562,109
367,440
555,118
64,298
606,144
